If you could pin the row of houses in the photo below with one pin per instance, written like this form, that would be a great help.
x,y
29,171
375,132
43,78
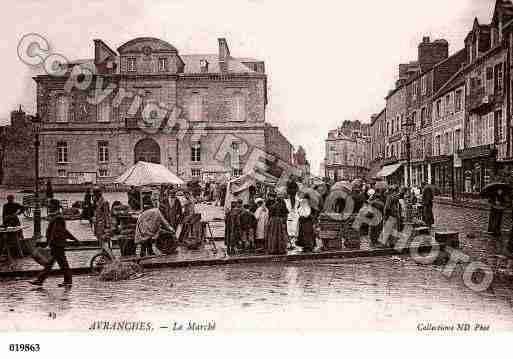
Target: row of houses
x,y
448,120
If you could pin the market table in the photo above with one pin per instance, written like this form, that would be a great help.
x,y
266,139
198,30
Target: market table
x,y
10,237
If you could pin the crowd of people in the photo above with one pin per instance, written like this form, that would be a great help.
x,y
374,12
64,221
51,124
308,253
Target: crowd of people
x,y
270,222
286,217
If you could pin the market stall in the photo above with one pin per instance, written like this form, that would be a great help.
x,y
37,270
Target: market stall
x,y
146,177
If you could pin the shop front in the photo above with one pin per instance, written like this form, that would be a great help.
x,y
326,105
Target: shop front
x,y
392,173
479,168
441,167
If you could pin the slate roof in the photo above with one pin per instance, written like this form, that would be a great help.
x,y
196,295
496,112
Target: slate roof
x,y
192,64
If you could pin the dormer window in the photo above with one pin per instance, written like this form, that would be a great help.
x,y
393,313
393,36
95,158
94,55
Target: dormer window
x,y
130,64
163,64
203,65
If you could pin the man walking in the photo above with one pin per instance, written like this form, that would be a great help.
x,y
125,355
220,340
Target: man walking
x,y
56,236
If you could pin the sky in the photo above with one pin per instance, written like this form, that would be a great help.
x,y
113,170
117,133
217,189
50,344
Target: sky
x,y
327,61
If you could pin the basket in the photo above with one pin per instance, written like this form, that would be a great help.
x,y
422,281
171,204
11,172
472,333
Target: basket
x,y
42,256
329,231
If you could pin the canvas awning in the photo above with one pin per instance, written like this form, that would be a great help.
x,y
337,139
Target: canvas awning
x,y
148,174
388,170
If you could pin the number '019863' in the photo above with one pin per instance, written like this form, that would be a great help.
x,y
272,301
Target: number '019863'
x,y
24,347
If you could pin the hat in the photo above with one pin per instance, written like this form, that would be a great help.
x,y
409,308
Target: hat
x,y
259,199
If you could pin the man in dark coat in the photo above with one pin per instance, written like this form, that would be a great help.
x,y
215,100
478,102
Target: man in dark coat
x,y
56,236
427,206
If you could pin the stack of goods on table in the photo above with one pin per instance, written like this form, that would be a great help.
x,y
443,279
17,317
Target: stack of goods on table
x,y
330,225
349,235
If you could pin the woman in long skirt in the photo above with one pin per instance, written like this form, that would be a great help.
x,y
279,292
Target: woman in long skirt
x,y
277,236
306,233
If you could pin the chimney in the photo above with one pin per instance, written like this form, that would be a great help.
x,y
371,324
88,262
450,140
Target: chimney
x,y
224,54
203,66
431,53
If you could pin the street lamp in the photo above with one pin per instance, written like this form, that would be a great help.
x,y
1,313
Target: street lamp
x,y
36,122
408,126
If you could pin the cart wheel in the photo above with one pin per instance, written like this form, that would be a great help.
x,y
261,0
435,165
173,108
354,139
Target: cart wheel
x,y
98,262
28,212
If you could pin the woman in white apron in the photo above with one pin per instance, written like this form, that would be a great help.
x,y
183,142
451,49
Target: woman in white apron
x,y
292,202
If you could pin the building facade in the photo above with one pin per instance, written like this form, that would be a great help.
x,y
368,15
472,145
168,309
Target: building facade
x,y
376,152
346,152
199,115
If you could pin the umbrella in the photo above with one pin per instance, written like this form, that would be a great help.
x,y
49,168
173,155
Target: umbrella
x,y
342,186
148,174
357,183
434,189
492,188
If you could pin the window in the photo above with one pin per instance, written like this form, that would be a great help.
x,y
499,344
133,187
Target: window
x,y
62,152
424,85
448,104
458,100
497,81
163,64
61,173
414,89
393,125
196,152
457,140
438,109
446,143
104,111
423,117
196,172
195,107
449,143
130,64
103,151
238,107
414,119
62,109
237,172
437,145
102,172
498,121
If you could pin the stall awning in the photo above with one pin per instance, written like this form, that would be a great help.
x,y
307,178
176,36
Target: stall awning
x,y
388,170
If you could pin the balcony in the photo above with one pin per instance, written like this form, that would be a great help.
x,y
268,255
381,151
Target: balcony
x,y
477,152
481,102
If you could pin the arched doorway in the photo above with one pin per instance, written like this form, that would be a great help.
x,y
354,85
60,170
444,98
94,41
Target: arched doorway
x,y
147,150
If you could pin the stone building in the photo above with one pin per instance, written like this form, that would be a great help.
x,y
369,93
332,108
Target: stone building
x,y
448,122
301,162
377,143
346,149
419,102
487,109
200,115
17,151
460,107
393,169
